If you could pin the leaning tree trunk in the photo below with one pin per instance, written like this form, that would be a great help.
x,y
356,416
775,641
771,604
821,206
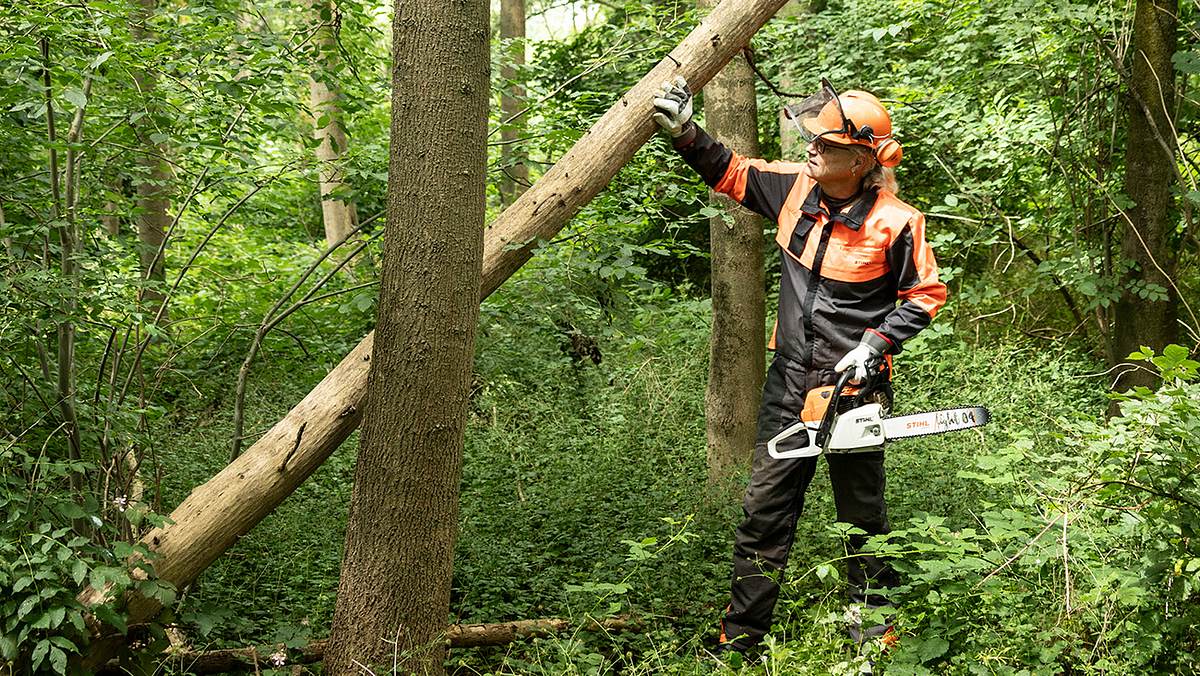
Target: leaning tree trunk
x,y
1149,176
339,215
393,596
152,183
512,154
212,518
737,346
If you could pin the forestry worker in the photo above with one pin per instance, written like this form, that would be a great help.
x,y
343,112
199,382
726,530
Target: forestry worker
x,y
857,280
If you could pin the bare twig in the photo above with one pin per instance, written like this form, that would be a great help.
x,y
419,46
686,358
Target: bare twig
x,y
162,308
1021,551
1066,565
274,316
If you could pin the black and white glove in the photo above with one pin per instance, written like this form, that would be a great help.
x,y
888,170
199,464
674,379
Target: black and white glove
x,y
857,359
673,106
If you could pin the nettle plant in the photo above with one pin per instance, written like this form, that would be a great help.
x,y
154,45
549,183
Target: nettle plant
x,y
1083,550
53,543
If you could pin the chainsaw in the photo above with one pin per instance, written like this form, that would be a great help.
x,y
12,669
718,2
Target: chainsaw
x,y
861,425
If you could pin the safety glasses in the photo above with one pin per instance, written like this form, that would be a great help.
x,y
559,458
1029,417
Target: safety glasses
x,y
820,145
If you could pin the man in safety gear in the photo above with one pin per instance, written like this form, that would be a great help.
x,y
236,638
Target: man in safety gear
x,y
850,250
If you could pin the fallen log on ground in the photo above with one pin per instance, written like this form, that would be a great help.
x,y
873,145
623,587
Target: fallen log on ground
x,y
237,660
212,518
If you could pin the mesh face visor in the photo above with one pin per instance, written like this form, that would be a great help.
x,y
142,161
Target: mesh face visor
x,y
809,110
821,114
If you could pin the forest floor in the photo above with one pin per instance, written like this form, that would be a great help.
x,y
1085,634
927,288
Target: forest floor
x,y
583,491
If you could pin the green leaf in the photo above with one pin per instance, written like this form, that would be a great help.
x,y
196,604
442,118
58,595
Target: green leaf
x,y
932,649
39,653
78,571
107,614
1186,62
26,607
1176,353
8,647
75,96
76,619
58,660
99,60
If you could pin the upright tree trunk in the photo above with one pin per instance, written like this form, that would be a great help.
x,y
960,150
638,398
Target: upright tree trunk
x,y
1149,177
65,227
791,146
512,156
393,602
215,514
7,239
339,216
110,218
153,184
737,346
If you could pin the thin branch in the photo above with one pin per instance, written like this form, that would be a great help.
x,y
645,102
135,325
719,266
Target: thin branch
x,y
594,67
272,319
143,344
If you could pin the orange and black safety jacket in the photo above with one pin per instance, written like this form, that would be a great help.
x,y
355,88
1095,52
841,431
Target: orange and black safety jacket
x,y
842,273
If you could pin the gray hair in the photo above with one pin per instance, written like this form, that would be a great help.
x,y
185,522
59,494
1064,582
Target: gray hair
x,y
879,176
883,178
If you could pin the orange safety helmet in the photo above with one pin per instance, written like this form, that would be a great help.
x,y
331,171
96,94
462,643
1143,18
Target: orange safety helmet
x,y
854,118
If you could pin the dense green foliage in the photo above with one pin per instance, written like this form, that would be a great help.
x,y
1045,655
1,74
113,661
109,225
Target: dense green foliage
x,y
1056,541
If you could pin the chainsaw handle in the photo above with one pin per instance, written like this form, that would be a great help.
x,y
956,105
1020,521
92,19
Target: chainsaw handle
x,y
831,412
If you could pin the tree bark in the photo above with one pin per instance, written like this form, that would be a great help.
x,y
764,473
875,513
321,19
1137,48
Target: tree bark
x,y
66,230
393,596
1148,239
512,154
110,217
212,518
153,183
339,216
791,146
737,347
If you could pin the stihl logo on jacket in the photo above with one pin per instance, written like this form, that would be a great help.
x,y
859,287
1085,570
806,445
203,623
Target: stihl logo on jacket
x,y
842,272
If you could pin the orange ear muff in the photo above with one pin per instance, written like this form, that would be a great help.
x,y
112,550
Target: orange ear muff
x,y
889,153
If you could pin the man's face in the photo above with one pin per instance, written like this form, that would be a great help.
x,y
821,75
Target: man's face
x,y
832,162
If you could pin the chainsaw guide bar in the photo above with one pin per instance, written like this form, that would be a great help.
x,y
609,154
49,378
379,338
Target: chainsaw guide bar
x,y
925,423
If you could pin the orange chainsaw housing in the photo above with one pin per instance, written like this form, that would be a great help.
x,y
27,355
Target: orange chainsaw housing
x,y
816,402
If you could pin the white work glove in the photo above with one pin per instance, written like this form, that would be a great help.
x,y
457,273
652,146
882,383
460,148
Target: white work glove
x,y
673,106
857,359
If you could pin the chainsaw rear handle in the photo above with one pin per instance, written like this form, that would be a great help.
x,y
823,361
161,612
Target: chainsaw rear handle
x,y
817,441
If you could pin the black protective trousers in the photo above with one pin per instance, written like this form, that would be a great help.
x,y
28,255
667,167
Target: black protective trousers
x,y
774,501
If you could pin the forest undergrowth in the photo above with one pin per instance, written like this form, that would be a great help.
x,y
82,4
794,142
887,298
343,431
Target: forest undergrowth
x,y
584,496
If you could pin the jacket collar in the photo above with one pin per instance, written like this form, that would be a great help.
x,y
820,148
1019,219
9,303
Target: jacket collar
x,y
852,217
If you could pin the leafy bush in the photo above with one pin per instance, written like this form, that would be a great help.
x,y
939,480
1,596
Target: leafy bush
x,y
1080,553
